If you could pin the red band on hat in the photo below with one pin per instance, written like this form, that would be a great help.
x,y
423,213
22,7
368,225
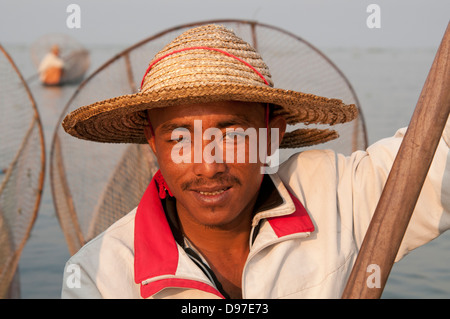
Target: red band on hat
x,y
203,48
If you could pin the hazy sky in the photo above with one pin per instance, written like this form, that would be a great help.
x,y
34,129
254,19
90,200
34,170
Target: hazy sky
x,y
412,23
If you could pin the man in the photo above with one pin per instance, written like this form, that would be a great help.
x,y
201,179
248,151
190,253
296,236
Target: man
x,y
211,225
51,67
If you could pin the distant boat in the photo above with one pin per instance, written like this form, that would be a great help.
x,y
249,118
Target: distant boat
x,y
68,66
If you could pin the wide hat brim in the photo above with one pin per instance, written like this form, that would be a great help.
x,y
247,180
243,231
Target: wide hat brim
x,y
122,119
207,64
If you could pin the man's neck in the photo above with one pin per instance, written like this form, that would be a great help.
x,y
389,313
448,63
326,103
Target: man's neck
x,y
224,247
219,239
225,251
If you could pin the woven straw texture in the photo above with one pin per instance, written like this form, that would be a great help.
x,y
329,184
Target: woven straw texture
x,y
195,74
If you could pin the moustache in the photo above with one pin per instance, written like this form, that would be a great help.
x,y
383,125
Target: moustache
x,y
221,180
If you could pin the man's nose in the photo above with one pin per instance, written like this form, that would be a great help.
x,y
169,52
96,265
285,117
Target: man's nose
x,y
211,162
209,170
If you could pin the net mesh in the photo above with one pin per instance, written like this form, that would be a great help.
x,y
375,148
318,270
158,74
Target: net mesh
x,y
94,184
22,164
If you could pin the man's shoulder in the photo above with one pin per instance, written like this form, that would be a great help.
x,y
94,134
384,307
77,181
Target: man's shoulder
x,y
117,237
105,264
307,159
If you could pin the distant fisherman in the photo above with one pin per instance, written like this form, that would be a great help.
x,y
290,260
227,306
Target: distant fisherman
x,y
51,67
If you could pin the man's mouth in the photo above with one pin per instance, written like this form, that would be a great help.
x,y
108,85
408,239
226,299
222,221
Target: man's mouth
x,y
212,193
212,196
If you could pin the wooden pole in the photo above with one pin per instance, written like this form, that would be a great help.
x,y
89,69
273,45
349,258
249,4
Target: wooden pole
x,y
399,196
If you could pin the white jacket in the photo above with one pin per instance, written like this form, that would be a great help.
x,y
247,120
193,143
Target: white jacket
x,y
305,247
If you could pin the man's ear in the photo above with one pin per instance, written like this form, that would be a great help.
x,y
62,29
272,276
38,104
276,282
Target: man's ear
x,y
278,122
148,131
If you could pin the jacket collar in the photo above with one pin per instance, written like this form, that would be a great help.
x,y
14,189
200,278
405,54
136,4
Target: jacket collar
x,y
157,253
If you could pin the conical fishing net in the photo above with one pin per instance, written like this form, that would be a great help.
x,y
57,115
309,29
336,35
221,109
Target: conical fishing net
x,y
95,184
22,165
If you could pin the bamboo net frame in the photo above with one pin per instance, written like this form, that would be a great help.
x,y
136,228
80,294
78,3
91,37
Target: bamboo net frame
x,y
94,184
22,169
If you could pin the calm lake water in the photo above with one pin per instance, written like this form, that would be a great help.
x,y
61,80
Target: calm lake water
x,y
387,82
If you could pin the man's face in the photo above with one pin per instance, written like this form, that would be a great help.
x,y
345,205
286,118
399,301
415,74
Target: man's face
x,y
210,193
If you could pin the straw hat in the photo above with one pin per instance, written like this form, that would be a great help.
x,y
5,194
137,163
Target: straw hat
x,y
206,64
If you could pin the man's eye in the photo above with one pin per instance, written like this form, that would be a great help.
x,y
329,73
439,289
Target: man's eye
x,y
181,139
180,135
234,137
